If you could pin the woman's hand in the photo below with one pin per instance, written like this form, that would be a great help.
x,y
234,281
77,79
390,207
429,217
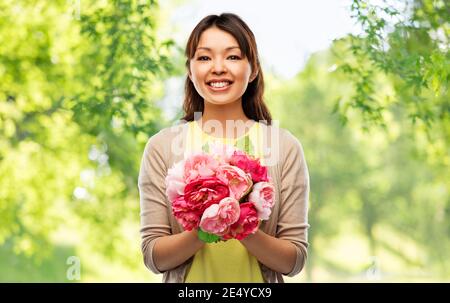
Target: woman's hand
x,y
277,254
171,251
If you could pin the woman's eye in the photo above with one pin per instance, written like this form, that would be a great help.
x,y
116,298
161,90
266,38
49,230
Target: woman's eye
x,y
203,58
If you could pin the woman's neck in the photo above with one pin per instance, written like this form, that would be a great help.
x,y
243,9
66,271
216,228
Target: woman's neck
x,y
224,112
224,121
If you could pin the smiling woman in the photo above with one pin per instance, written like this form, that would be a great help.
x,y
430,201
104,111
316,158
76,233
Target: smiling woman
x,y
224,85
223,57
225,80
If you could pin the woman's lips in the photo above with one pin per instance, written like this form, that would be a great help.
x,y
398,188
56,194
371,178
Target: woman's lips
x,y
219,89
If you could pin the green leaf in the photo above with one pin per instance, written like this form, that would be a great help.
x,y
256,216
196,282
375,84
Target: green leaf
x,y
205,147
245,144
207,237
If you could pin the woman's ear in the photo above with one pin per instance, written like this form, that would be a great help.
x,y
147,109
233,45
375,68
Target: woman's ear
x,y
253,77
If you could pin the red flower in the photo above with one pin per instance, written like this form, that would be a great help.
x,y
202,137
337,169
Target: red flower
x,y
247,224
250,165
202,193
189,218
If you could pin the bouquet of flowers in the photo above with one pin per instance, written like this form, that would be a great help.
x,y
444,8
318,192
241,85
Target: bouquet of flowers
x,y
224,194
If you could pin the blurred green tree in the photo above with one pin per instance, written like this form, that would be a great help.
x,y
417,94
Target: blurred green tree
x,y
78,81
363,180
408,41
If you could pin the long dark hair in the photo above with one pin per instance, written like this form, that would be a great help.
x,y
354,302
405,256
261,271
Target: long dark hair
x,y
252,99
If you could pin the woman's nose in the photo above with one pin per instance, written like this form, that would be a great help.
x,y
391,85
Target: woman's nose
x,y
219,66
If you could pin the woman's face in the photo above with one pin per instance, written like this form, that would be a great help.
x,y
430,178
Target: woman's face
x,y
218,69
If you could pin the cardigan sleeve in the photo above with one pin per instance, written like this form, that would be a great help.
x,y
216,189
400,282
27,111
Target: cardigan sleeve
x,y
293,217
153,206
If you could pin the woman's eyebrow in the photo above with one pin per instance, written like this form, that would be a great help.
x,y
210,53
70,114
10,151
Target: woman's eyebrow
x,y
209,49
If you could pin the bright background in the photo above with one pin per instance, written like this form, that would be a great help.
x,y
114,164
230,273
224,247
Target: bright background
x,y
362,84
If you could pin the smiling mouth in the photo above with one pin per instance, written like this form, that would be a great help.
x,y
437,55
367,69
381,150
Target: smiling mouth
x,y
221,84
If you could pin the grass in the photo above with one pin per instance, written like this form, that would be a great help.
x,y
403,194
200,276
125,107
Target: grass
x,y
21,268
347,258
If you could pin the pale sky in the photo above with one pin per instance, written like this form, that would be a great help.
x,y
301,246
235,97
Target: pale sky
x,y
286,31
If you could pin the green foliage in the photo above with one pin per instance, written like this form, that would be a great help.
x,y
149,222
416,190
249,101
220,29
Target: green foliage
x,y
399,66
245,144
121,62
366,180
77,92
404,40
207,237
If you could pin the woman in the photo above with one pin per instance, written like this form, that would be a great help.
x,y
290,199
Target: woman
x,y
224,102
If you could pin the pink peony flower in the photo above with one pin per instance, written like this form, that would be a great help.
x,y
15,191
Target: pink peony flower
x,y
175,181
205,190
217,217
188,218
247,223
250,165
262,196
199,165
237,180
201,193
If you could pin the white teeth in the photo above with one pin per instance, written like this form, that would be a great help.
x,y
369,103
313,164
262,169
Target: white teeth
x,y
219,84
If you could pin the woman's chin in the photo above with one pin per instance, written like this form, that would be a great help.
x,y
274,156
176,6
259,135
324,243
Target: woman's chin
x,y
220,101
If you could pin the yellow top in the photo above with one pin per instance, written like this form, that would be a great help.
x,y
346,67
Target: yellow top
x,y
251,142
224,261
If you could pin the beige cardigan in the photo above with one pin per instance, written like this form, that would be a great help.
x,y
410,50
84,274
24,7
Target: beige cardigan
x,y
289,219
